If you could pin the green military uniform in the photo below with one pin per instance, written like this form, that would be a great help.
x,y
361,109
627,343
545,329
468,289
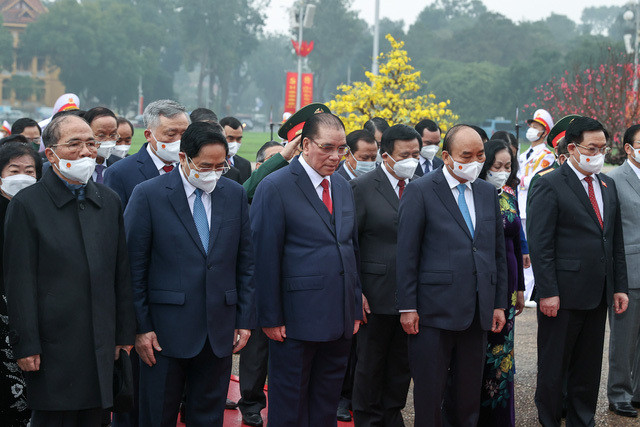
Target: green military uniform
x,y
555,165
271,165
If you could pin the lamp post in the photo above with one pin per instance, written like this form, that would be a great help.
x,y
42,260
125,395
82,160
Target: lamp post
x,y
376,39
304,19
633,14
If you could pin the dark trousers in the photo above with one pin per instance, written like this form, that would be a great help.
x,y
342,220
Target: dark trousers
x,y
206,377
304,381
570,344
83,418
130,419
438,356
382,375
347,383
254,363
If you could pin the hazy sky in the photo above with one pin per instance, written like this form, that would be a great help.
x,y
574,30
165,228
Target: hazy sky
x,y
407,10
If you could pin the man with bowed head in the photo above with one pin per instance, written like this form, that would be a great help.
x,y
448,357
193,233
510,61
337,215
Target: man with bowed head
x,y
452,280
67,282
578,258
309,299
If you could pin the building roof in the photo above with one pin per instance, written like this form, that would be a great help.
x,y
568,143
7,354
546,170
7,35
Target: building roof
x,y
19,13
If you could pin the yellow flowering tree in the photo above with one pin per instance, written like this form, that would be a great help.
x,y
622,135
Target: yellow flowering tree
x,y
392,95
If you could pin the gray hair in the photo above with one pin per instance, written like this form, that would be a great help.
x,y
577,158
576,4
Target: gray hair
x,y
51,134
165,108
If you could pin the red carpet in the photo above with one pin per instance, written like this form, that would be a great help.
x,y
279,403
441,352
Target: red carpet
x,y
233,418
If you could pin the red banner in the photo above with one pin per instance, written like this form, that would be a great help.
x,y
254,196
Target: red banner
x,y
291,88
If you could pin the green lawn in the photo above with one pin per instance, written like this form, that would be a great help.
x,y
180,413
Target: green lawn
x,y
251,142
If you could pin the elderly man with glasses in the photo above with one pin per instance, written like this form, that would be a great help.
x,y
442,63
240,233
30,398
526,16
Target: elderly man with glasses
x,y
67,282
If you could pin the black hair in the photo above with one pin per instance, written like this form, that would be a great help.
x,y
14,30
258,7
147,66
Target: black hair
x,y
14,138
312,126
198,135
122,121
357,135
503,135
481,132
97,112
203,115
25,122
491,149
427,124
260,156
51,134
628,137
79,113
395,133
376,123
11,150
580,125
232,122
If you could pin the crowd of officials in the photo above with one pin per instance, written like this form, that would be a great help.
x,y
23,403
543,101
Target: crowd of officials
x,y
341,268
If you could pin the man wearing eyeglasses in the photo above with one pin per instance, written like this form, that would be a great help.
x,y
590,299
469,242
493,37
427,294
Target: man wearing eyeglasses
x,y
308,289
189,241
68,284
30,129
578,258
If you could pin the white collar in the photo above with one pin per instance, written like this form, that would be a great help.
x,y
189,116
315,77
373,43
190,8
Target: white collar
x,y
580,175
392,179
539,148
189,188
156,160
314,176
453,183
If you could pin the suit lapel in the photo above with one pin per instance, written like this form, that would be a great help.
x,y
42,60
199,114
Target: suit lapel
x,y
385,189
218,205
631,177
304,182
446,197
178,199
479,203
576,186
145,164
337,190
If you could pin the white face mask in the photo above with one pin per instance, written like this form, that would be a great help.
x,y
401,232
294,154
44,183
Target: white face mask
x,y
167,151
14,183
205,181
121,150
590,164
233,148
77,170
406,168
467,171
429,151
533,134
497,179
636,154
106,148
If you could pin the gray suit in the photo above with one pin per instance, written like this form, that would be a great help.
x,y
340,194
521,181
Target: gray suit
x,y
624,360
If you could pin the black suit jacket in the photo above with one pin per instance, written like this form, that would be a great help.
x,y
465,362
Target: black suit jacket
x,y
572,256
244,167
437,162
68,286
233,174
377,212
342,171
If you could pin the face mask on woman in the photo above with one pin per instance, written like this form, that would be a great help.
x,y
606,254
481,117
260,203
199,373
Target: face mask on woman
x,y
13,183
497,179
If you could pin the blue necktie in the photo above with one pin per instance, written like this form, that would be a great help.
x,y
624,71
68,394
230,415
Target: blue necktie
x,y
464,209
99,176
200,218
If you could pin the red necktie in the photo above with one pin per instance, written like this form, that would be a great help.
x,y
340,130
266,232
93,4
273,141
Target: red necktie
x,y
167,168
326,197
592,197
401,185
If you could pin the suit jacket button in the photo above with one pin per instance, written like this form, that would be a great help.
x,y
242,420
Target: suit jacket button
x,y
82,206
209,267
604,239
342,272
475,249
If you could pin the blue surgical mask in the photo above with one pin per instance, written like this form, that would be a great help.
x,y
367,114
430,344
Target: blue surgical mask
x,y
362,167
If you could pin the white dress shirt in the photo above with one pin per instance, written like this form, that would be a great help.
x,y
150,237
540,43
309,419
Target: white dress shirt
x,y
157,162
393,180
634,168
596,187
315,177
190,191
468,193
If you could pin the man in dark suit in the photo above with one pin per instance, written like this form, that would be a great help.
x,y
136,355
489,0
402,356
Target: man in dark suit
x,y
233,131
577,253
189,241
452,280
165,122
430,134
309,298
67,282
361,157
382,372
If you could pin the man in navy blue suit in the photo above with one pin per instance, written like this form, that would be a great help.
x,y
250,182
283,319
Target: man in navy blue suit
x,y
189,241
166,121
308,289
452,280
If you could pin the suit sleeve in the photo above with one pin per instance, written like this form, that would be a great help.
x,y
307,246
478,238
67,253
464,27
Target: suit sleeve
x,y
619,259
113,180
138,230
361,211
542,230
267,232
245,309
273,164
125,316
411,228
356,250
20,280
501,259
